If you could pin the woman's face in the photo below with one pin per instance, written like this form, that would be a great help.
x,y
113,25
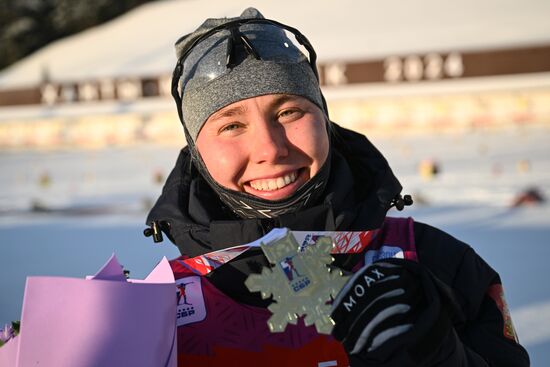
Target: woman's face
x,y
267,146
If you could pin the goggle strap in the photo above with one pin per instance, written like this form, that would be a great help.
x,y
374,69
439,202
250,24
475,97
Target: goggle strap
x,y
176,74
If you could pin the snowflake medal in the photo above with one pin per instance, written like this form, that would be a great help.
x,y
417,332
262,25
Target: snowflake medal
x,y
301,283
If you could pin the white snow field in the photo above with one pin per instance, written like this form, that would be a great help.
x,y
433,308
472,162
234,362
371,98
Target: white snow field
x,y
88,204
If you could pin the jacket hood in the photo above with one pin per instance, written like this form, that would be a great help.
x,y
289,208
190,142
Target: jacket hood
x,y
360,191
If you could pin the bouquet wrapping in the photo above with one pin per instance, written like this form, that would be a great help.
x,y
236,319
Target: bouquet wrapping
x,y
103,320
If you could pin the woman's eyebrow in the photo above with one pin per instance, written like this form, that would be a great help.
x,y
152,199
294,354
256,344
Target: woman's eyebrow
x,y
282,98
241,109
228,112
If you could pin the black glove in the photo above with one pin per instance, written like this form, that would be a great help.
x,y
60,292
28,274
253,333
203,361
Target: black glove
x,y
390,313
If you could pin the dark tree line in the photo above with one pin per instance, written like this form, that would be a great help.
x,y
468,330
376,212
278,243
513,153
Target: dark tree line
x,y
27,25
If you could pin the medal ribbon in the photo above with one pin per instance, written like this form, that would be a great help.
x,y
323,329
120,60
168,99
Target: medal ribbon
x,y
346,242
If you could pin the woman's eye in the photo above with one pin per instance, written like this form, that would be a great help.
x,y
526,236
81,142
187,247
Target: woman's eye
x,y
290,113
229,127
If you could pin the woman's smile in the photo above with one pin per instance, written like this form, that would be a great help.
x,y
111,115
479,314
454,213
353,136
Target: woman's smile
x,y
272,184
278,187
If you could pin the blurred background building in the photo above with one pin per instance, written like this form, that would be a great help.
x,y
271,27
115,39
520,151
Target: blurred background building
x,y
413,67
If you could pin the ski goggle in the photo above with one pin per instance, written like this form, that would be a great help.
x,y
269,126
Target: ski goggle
x,y
224,47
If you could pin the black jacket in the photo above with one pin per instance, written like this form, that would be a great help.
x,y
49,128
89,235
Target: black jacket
x,y
360,191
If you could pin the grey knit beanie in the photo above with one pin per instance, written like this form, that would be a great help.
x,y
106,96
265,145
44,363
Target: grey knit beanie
x,y
205,92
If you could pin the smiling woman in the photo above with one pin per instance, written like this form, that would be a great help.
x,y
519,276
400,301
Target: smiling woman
x,y
262,153
247,90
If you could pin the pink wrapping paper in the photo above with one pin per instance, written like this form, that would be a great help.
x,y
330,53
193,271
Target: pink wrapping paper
x,y
103,320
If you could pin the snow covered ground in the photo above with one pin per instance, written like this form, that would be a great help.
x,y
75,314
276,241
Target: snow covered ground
x,y
65,212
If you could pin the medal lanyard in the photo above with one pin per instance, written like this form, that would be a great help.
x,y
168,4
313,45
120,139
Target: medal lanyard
x,y
344,243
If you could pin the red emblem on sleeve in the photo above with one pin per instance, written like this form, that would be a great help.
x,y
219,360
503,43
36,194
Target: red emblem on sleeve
x,y
497,294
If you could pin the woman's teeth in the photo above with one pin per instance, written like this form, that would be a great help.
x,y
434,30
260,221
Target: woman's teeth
x,y
273,183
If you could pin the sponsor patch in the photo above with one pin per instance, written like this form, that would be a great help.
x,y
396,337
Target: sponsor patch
x,y
384,252
496,292
190,301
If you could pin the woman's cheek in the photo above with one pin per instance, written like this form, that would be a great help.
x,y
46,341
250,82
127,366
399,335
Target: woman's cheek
x,y
228,168
316,140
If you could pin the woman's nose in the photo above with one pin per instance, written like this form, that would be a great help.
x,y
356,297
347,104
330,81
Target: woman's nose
x,y
269,142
